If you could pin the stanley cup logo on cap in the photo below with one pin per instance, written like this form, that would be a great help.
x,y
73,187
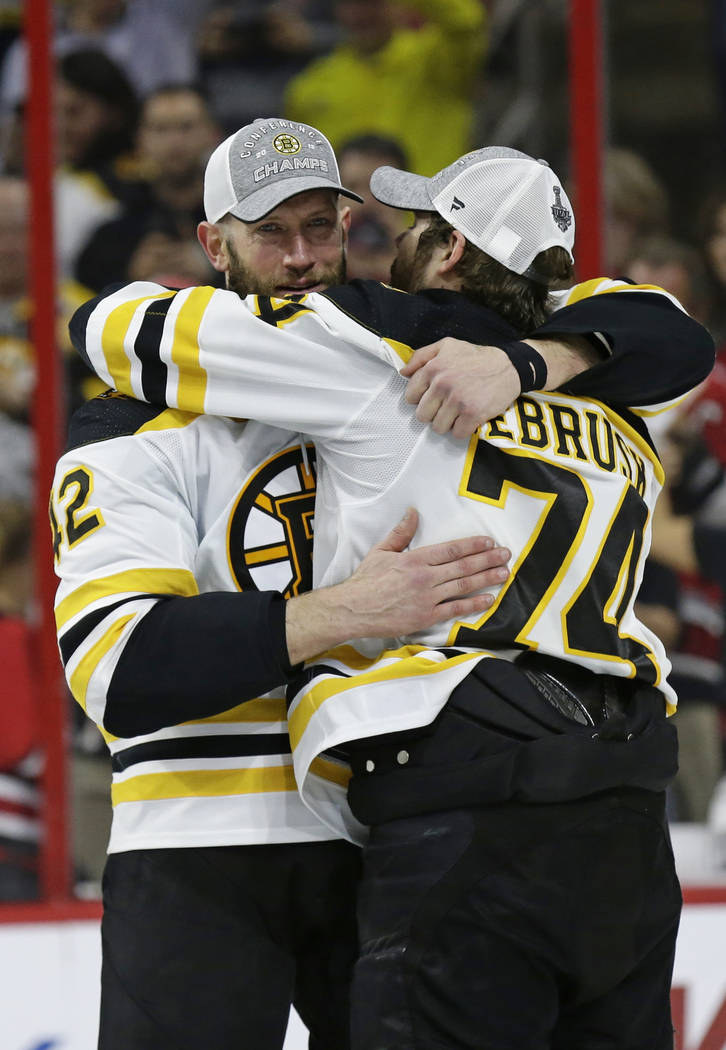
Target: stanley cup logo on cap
x,y
561,214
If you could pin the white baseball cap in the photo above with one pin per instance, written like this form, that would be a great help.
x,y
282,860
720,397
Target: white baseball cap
x,y
506,203
265,163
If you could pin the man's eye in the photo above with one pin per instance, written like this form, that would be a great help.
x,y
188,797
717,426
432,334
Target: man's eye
x,y
269,227
320,222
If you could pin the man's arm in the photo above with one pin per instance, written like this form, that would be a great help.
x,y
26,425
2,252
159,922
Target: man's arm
x,y
142,649
396,592
193,657
654,352
311,365
618,342
457,386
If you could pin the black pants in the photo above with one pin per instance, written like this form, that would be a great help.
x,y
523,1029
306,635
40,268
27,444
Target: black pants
x,y
205,949
519,927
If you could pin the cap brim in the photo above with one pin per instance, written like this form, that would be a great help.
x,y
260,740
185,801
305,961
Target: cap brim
x,y
401,189
262,201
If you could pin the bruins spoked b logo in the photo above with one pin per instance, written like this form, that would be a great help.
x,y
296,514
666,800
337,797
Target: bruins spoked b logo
x,y
286,144
270,534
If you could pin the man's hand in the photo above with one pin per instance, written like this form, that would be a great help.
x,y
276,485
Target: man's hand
x,y
395,591
458,385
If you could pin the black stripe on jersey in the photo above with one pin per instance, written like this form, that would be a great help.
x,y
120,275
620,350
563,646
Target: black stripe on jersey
x,y
107,416
154,372
79,321
307,675
339,753
236,745
77,634
274,314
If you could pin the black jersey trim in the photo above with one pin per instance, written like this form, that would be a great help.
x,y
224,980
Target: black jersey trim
x,y
154,372
236,745
69,642
110,415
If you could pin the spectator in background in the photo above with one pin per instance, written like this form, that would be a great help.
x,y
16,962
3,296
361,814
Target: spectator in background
x,y
414,84
712,226
20,758
17,366
156,238
96,116
675,266
694,456
19,766
97,113
249,49
17,361
637,205
373,226
140,36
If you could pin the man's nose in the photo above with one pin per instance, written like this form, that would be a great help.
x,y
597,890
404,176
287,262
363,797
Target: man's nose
x,y
299,253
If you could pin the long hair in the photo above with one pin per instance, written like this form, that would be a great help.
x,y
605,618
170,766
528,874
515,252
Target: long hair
x,y
519,300
92,72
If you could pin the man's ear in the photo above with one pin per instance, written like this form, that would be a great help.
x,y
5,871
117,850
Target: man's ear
x,y
345,216
210,237
453,252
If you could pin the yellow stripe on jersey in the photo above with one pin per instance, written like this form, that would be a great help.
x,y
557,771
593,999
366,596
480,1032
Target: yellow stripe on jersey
x,y
82,675
170,419
607,613
603,286
263,709
354,660
404,351
583,290
408,667
332,771
142,581
195,783
185,349
267,554
658,410
113,338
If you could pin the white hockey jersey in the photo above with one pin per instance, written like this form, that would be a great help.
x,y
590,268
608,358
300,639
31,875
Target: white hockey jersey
x,y
567,482
165,503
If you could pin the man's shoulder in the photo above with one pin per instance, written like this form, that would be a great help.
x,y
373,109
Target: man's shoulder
x,y
113,415
419,319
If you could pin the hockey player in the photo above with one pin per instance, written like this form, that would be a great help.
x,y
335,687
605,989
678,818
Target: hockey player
x,y
184,545
570,481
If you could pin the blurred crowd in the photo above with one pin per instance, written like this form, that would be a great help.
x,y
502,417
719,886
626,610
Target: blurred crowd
x,y
144,90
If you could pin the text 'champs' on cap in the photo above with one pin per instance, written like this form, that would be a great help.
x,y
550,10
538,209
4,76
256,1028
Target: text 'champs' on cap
x,y
263,164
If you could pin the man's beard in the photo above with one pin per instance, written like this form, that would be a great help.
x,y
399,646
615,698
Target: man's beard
x,y
406,274
244,281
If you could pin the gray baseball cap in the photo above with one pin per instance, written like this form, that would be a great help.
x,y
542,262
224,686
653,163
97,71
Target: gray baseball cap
x,y
263,164
505,202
